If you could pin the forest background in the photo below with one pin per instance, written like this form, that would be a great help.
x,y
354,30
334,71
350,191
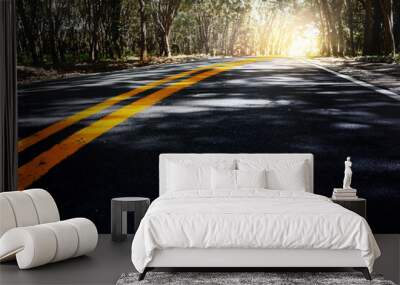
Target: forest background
x,y
88,35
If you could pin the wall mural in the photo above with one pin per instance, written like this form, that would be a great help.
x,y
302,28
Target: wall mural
x,y
104,89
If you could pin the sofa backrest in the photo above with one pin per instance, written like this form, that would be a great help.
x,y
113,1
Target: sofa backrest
x,y
203,159
26,208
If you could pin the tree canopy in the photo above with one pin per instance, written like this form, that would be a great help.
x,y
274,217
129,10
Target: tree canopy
x,y
69,31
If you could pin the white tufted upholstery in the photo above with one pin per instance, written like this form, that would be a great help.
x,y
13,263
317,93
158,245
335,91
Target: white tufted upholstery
x,y
31,230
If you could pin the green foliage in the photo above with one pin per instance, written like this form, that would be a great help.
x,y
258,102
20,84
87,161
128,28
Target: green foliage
x,y
397,58
62,32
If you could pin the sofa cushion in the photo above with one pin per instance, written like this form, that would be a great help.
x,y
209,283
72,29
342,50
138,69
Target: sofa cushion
x,y
26,208
23,208
7,220
45,205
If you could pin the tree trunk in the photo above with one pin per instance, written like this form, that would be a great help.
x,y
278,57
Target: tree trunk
x,y
143,32
203,24
350,22
396,24
162,43
27,13
333,36
325,51
115,29
94,30
377,29
389,43
232,39
167,47
164,12
338,23
368,45
52,31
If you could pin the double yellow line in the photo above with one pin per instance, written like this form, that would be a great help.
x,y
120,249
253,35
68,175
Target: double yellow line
x,y
41,164
52,129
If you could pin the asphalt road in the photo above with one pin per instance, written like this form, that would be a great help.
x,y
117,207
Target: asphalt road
x,y
270,106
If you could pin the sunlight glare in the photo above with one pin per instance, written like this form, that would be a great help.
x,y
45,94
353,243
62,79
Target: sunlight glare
x,y
304,42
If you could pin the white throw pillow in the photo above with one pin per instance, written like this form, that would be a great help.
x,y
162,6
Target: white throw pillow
x,y
251,178
285,174
185,174
223,179
188,177
230,180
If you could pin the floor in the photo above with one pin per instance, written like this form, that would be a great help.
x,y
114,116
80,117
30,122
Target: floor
x,y
104,266
110,260
389,262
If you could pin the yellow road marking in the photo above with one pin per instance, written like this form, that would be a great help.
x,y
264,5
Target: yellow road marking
x,y
41,164
58,126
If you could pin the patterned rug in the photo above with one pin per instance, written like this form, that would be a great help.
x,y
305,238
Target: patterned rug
x,y
244,278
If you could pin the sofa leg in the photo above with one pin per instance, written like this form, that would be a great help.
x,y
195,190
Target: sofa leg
x,y
142,275
365,272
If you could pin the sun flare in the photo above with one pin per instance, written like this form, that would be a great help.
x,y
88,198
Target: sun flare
x,y
305,42
286,31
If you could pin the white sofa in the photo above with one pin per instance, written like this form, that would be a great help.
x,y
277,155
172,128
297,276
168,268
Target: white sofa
x,y
31,230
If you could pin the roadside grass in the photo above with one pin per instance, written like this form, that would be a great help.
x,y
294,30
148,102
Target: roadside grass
x,y
365,58
28,74
379,58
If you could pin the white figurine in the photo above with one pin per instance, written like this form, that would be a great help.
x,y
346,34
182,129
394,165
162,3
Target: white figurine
x,y
347,174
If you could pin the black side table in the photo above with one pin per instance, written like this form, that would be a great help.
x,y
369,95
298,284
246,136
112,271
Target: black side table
x,y
358,205
119,209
